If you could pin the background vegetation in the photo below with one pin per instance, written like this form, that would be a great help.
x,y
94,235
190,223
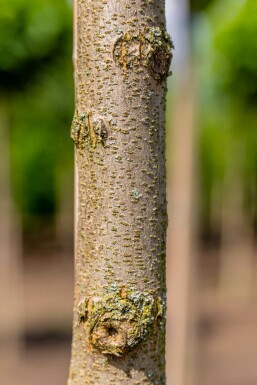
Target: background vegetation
x,y
36,89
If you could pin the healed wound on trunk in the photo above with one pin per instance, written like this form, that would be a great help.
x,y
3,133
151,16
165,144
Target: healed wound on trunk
x,y
121,319
151,48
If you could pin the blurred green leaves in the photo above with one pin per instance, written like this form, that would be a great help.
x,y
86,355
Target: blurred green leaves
x,y
237,43
226,41
36,85
32,33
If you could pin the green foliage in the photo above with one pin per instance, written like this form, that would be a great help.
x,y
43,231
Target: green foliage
x,y
32,33
227,67
197,5
40,141
36,82
237,45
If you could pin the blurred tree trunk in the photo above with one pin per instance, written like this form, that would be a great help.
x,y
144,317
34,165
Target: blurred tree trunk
x,y
181,267
11,282
121,59
237,247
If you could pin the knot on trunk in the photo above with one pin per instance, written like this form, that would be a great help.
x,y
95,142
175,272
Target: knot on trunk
x,y
120,320
88,129
151,48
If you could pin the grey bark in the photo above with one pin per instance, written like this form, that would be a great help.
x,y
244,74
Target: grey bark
x,y
122,57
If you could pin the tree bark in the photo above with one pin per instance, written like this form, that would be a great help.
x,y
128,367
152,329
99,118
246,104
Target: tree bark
x,y
121,59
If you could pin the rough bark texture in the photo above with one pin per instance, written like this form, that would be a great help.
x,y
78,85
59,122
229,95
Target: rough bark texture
x,y
122,58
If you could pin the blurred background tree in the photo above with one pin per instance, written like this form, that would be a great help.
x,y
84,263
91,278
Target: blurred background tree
x,y
36,104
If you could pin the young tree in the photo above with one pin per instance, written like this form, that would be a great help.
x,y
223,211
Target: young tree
x,y
122,59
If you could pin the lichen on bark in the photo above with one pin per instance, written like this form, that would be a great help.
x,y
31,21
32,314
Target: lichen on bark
x,y
121,319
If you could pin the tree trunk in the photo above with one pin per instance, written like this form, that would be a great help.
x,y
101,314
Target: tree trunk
x,y
11,285
181,267
122,58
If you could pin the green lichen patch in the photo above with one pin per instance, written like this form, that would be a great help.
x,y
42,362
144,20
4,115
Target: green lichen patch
x,y
151,48
83,310
160,310
136,194
79,129
88,130
120,320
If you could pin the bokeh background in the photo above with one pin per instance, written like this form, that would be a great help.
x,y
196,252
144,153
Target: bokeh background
x,y
212,192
